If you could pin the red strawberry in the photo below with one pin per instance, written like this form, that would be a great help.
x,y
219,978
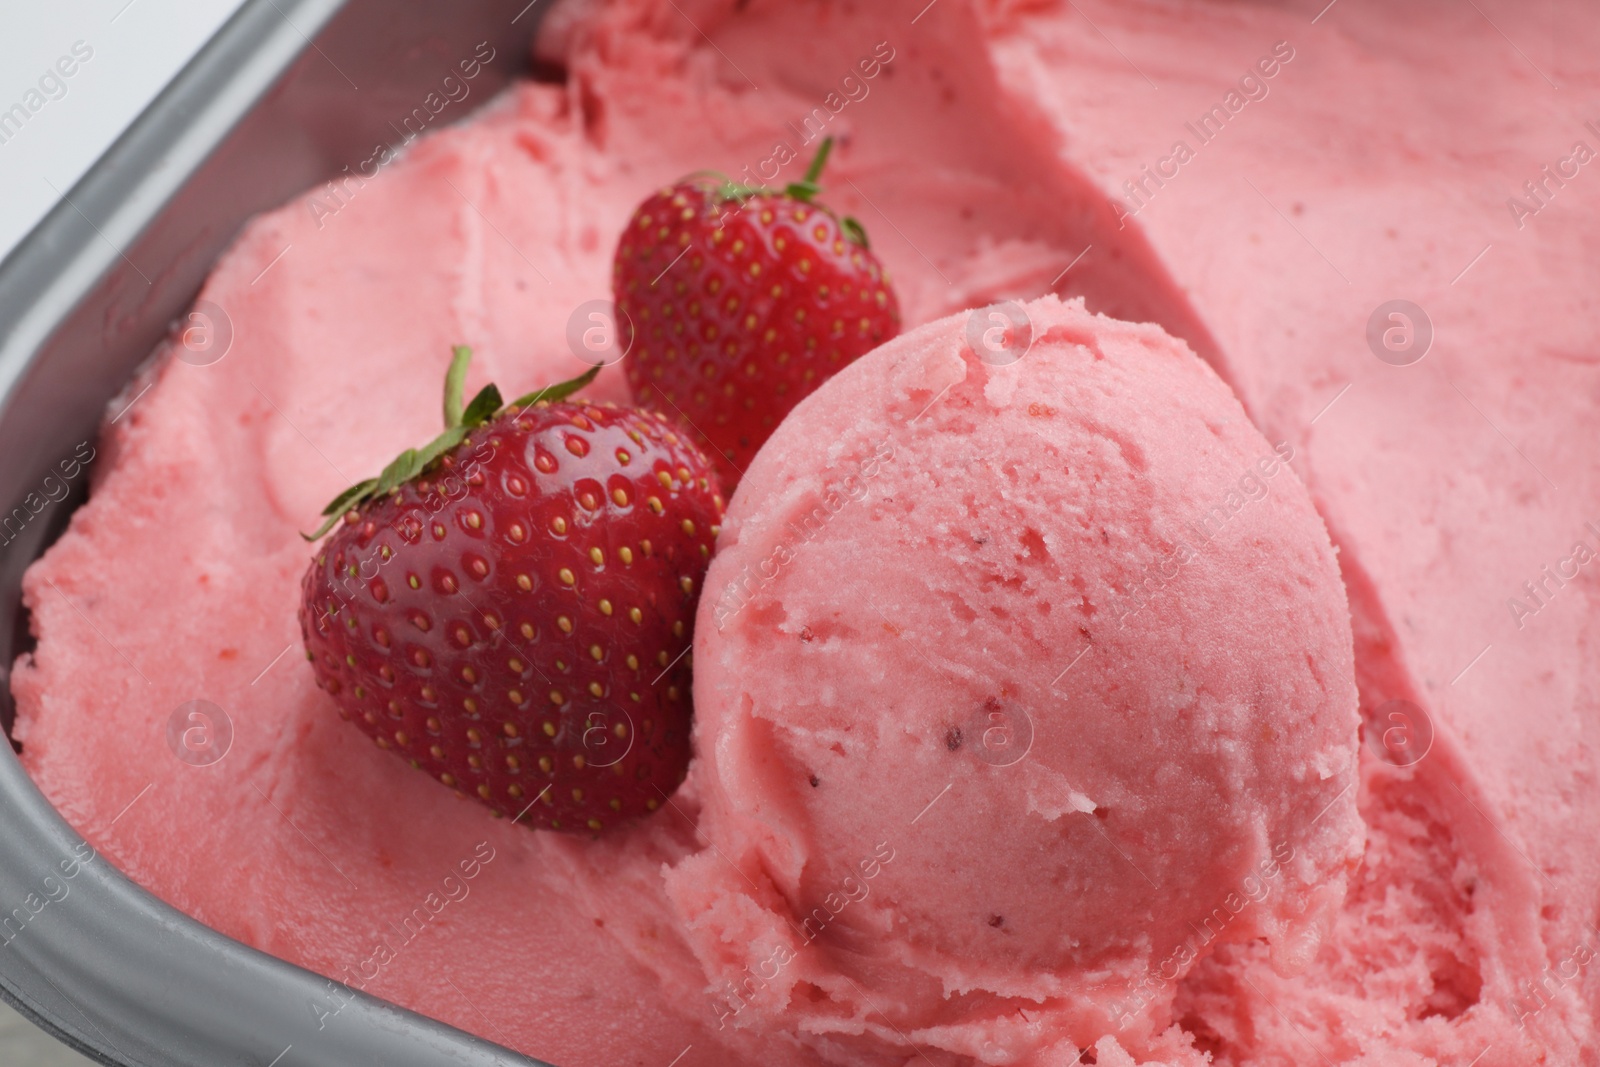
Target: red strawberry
x,y
509,608
743,300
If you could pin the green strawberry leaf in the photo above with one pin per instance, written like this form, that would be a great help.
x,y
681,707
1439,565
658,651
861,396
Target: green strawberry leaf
x,y
396,472
318,533
559,391
807,187
483,407
439,446
854,230
459,419
802,190
341,503
741,192
806,190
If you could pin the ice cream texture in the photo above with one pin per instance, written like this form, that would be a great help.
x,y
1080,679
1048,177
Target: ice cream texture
x,y
1332,160
913,638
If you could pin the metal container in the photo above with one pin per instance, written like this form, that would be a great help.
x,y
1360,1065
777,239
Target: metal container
x,y
287,94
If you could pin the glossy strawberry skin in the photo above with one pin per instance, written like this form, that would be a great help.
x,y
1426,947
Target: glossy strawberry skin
x,y
516,621
742,308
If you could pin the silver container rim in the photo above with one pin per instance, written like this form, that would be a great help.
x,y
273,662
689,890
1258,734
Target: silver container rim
x,y
106,967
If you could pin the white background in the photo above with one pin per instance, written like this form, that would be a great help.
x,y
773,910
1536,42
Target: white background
x,y
138,46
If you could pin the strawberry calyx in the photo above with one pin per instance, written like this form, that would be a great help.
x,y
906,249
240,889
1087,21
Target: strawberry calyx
x,y
806,190
461,417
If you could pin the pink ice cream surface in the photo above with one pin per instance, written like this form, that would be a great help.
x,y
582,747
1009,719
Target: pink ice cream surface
x,y
1065,638
1383,157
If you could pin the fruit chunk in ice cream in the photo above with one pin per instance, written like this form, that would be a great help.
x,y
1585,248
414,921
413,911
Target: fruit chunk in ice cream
x,y
1018,681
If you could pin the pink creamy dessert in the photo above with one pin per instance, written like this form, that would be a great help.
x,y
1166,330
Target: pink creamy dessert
x,y
1014,796
1259,182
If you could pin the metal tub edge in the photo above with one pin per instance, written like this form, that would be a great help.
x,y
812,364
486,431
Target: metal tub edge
x,y
287,94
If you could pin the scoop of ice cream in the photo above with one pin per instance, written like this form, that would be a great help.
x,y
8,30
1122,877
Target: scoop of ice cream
x,y
1024,677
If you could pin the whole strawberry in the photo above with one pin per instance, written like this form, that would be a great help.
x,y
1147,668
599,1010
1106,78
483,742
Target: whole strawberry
x,y
509,608
743,300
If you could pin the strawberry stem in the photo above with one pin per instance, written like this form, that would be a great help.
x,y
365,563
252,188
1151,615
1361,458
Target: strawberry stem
x,y
819,161
807,187
806,190
455,381
459,420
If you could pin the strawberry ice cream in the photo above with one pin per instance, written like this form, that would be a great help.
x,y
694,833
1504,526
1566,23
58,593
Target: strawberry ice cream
x,y
1159,844
914,639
